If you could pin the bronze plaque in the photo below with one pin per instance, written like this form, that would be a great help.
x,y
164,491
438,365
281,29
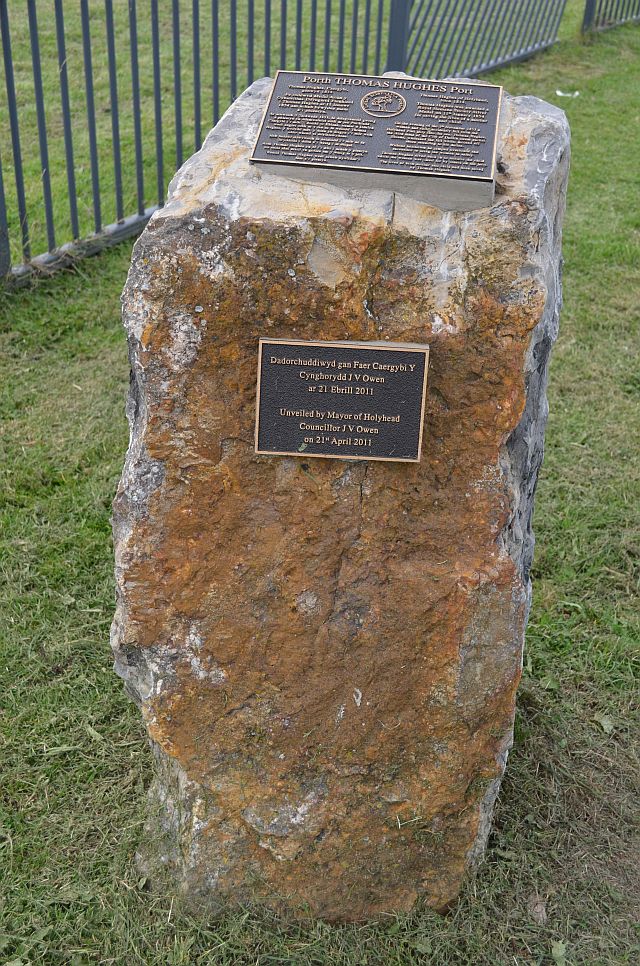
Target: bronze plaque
x,y
341,400
399,125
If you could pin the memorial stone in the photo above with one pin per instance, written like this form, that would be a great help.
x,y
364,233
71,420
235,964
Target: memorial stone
x,y
326,651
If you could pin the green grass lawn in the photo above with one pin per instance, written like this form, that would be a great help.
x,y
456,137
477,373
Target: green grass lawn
x,y
561,881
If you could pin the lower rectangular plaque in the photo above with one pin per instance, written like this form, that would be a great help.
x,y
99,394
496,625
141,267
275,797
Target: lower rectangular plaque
x,y
342,400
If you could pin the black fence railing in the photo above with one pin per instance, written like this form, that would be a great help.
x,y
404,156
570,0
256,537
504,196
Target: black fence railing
x,y
103,99
451,37
600,14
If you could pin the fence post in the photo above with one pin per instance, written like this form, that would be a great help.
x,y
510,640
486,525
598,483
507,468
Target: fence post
x,y
5,252
398,34
588,20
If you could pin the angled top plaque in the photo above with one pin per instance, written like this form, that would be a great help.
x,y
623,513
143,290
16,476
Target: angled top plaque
x,y
433,139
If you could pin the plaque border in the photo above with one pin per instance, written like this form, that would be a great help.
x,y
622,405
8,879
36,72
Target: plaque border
x,y
341,167
395,346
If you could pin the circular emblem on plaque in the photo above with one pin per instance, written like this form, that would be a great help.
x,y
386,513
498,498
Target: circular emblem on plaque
x,y
383,103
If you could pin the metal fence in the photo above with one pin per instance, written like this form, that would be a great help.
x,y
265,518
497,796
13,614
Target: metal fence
x,y
600,14
103,100
448,38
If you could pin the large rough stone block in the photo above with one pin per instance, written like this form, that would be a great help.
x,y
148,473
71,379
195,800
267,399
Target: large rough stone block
x,y
326,653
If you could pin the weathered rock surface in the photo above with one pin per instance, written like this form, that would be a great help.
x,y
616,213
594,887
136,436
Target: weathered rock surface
x,y
326,653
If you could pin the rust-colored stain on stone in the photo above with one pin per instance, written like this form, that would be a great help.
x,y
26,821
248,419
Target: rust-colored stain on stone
x,y
326,653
